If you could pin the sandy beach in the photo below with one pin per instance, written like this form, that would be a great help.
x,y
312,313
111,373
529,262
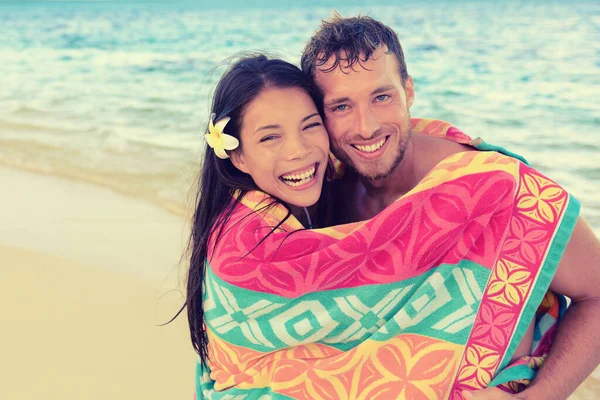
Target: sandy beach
x,y
86,275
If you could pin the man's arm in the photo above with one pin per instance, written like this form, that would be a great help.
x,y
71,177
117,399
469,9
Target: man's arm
x,y
576,350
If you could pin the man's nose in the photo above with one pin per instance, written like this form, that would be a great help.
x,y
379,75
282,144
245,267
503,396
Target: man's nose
x,y
365,122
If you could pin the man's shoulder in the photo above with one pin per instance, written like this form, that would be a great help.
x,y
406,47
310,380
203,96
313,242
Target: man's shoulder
x,y
440,149
446,160
432,150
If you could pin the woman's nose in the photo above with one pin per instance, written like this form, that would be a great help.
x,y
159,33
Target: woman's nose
x,y
296,148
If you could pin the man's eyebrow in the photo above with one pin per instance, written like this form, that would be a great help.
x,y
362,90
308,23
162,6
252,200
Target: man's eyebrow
x,y
337,101
262,128
308,117
383,89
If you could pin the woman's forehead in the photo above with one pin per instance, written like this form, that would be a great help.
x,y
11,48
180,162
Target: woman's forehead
x,y
277,106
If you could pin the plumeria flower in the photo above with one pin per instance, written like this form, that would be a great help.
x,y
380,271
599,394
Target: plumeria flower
x,y
219,141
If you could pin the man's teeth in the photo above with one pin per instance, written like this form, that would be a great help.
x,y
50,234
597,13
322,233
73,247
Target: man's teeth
x,y
299,179
371,148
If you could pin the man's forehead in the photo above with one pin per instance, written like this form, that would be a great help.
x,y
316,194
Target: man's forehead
x,y
343,81
346,63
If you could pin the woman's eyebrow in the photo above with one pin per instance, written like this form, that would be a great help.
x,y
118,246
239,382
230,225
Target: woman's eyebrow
x,y
262,128
309,117
277,126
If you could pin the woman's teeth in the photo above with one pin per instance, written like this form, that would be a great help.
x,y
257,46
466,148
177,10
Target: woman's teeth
x,y
299,179
371,148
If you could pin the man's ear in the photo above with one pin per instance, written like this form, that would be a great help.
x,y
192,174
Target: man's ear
x,y
409,89
237,159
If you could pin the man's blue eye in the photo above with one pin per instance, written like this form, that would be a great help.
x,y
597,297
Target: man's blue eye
x,y
382,97
341,107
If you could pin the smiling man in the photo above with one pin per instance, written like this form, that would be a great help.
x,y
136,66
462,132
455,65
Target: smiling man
x,y
359,66
368,95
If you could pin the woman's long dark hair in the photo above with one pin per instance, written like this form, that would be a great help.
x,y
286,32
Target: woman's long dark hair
x,y
220,181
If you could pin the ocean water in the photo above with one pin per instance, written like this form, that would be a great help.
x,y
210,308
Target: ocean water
x,y
117,93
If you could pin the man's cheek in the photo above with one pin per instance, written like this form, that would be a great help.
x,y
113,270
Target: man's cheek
x,y
330,128
333,129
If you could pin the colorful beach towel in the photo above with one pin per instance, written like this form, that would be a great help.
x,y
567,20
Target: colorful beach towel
x,y
430,297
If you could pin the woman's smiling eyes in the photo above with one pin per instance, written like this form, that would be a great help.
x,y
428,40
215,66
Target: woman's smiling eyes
x,y
314,124
268,137
272,136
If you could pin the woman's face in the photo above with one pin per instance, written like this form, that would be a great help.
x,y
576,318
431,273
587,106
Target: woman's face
x,y
284,145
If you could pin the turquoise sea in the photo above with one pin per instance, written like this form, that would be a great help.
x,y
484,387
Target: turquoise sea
x,y
117,93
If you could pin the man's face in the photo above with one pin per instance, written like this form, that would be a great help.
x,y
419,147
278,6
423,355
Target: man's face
x,y
367,113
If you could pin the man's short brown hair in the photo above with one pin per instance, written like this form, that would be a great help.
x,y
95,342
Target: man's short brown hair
x,y
352,40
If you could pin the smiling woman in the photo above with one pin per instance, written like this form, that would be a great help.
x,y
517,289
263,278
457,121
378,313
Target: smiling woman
x,y
266,136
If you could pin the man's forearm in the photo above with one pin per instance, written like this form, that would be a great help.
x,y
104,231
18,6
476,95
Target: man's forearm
x,y
573,356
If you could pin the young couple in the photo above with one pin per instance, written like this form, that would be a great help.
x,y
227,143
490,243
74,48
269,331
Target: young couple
x,y
422,265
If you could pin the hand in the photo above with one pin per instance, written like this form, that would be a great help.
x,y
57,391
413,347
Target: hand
x,y
491,393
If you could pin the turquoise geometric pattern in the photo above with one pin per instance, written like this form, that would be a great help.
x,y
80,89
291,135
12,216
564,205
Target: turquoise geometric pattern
x,y
344,318
237,317
432,300
464,316
306,322
367,320
431,296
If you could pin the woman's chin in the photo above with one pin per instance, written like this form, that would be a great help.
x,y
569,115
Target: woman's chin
x,y
301,198
301,201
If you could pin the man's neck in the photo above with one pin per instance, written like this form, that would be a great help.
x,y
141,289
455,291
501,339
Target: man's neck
x,y
379,193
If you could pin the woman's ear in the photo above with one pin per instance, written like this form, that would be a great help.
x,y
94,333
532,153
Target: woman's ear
x,y
237,159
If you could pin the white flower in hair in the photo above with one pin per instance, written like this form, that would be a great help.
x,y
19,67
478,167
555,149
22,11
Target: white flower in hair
x,y
218,140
